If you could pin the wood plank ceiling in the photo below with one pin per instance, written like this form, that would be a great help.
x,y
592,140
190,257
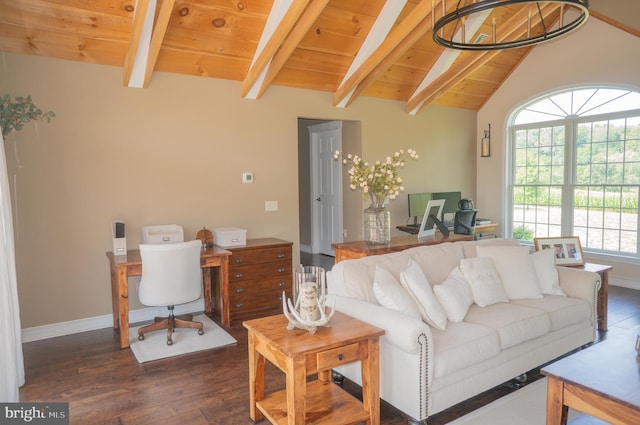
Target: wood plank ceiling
x,y
351,48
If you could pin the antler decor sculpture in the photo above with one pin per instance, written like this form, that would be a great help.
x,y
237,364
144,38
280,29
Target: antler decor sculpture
x,y
310,295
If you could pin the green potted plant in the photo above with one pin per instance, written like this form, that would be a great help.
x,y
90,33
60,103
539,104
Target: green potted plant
x,y
19,111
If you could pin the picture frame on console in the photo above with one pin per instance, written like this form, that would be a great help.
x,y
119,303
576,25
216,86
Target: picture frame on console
x,y
568,251
433,210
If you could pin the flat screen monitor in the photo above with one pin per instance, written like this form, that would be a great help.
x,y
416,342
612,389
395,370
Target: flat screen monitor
x,y
451,200
417,205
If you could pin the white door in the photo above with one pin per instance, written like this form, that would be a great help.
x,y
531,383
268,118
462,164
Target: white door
x,y
326,187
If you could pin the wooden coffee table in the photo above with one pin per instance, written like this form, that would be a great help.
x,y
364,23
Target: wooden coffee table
x,y
601,381
300,354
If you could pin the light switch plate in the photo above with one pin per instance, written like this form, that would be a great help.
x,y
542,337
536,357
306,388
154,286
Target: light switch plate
x,y
271,205
247,177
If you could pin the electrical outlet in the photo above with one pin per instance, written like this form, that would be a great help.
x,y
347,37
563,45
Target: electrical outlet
x,y
271,205
344,233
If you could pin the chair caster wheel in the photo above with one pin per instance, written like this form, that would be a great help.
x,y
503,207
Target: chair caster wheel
x,y
200,332
169,342
140,337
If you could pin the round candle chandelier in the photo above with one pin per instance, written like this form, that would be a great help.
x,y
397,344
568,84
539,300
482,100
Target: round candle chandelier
x,y
513,23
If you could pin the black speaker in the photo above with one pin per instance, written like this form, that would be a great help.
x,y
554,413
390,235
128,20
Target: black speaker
x,y
119,238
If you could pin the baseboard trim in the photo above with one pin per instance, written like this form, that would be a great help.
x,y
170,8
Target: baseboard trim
x,y
37,333
624,283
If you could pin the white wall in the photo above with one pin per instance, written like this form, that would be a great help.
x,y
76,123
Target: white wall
x,y
597,53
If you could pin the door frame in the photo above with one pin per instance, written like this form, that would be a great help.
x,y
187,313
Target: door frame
x,y
315,182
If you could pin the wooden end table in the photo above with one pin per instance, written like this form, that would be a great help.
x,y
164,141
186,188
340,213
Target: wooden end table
x,y
603,293
601,381
299,354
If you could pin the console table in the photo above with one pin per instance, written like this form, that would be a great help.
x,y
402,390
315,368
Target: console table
x,y
359,249
299,354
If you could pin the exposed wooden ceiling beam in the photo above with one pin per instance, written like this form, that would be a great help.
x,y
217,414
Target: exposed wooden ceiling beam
x,y
470,63
134,42
141,57
282,19
301,28
614,23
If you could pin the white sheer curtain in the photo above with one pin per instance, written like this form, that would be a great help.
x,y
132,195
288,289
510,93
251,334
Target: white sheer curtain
x,y
12,375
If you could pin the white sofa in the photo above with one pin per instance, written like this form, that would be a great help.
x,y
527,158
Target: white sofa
x,y
423,369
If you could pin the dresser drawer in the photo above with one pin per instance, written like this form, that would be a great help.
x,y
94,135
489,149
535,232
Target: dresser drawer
x,y
279,283
252,301
259,256
260,271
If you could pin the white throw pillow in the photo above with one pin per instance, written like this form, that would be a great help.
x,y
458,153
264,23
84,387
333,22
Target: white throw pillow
x,y
391,295
484,280
417,285
544,263
455,295
516,270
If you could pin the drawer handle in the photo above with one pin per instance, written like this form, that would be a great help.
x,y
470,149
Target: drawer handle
x,y
280,284
239,305
239,290
279,297
340,357
238,260
281,270
281,255
238,275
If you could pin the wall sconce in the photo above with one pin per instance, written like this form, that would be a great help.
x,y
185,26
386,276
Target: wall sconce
x,y
485,144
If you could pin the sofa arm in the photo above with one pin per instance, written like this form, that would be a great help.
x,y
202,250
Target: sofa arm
x,y
401,330
578,283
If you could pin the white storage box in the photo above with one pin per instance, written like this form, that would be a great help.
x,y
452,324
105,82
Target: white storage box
x,y
229,236
166,233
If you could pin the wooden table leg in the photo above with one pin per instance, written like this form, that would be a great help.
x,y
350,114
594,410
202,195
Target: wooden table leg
x,y
123,306
296,382
223,279
115,297
556,410
603,300
371,381
256,379
206,289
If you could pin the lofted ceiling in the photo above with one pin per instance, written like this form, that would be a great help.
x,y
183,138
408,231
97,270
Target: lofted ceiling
x,y
351,48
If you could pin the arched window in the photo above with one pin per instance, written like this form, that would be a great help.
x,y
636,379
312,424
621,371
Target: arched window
x,y
575,169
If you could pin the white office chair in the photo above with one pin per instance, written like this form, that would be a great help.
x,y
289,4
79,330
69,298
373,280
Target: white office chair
x,y
171,275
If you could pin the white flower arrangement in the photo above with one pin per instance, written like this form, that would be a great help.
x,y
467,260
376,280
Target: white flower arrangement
x,y
380,181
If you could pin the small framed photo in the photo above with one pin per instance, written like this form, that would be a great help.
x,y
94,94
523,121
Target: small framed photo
x,y
567,249
428,226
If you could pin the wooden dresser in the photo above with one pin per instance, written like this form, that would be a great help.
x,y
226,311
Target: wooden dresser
x,y
258,273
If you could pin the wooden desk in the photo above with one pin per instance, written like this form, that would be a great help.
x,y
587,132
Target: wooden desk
x,y
299,354
601,381
359,249
123,266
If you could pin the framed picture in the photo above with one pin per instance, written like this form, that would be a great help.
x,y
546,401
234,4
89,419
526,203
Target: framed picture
x,y
567,249
428,226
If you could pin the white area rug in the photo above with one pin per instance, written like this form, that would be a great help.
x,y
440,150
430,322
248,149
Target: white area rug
x,y
526,406
185,341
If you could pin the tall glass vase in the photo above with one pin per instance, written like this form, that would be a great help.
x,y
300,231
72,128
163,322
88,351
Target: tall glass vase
x,y
377,225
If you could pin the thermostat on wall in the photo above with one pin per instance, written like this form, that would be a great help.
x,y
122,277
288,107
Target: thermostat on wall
x,y
247,177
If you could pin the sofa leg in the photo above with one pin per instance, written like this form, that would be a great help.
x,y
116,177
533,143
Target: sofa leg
x,y
337,378
416,422
519,381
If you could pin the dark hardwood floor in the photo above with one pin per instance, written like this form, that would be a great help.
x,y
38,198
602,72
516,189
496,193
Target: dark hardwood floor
x,y
105,384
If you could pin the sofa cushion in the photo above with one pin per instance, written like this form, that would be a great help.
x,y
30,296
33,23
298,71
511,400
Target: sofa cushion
x,y
437,261
484,280
415,282
515,323
562,310
516,270
391,295
454,295
462,345
544,263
